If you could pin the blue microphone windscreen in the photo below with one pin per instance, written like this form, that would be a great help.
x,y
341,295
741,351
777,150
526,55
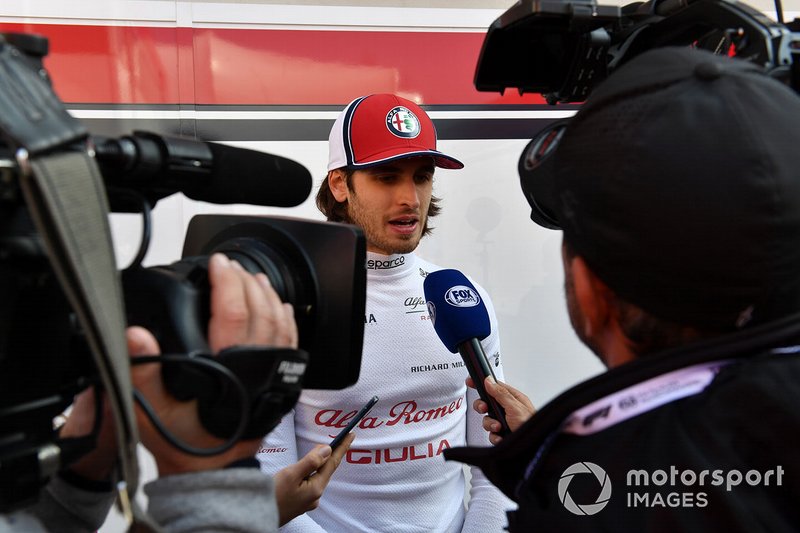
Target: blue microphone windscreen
x,y
456,309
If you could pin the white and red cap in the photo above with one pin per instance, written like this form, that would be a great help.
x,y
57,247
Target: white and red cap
x,y
375,129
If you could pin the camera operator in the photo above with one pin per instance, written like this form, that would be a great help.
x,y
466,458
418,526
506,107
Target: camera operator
x,y
677,186
221,492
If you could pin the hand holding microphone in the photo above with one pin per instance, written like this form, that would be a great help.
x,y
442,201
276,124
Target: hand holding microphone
x,y
517,406
460,319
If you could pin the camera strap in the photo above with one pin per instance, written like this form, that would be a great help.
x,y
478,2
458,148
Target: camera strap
x,y
66,199
65,196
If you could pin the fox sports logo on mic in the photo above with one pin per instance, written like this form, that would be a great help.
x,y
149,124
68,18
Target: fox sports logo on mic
x,y
462,296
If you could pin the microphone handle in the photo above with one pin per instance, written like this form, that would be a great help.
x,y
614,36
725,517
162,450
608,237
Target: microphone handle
x,y
478,367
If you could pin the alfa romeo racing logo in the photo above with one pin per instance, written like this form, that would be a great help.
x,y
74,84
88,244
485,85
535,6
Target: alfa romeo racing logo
x,y
402,122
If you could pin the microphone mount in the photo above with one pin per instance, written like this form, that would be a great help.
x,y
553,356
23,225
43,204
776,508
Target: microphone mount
x,y
156,165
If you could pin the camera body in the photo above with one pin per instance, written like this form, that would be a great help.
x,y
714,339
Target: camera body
x,y
564,48
62,313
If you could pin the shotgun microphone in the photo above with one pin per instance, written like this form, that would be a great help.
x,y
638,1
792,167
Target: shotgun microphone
x,y
160,165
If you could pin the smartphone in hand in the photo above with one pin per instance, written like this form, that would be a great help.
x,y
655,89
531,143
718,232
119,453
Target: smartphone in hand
x,y
337,440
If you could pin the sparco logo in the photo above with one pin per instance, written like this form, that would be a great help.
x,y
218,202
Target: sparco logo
x,y
377,264
588,508
461,296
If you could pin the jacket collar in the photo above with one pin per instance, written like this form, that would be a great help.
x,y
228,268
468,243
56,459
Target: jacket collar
x,y
505,463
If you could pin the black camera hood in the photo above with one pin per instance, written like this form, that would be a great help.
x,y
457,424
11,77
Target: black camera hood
x,y
563,49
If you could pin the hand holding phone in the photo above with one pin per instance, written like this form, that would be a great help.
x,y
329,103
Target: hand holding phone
x,y
337,440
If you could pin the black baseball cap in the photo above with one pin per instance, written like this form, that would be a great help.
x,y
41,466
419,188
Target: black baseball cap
x,y
678,181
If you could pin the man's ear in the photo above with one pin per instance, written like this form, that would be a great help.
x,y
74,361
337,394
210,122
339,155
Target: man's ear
x,y
337,181
593,297
597,306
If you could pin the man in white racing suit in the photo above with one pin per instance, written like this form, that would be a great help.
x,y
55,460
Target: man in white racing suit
x,y
394,477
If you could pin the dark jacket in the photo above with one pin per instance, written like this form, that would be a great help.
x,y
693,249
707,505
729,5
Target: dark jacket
x,y
702,438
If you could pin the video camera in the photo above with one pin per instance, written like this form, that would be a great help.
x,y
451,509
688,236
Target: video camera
x,y
563,49
61,307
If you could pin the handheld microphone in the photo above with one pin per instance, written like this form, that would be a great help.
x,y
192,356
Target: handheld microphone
x,y
460,319
159,166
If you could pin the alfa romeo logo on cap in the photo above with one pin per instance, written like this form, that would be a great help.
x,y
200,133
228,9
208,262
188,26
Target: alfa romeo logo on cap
x,y
402,122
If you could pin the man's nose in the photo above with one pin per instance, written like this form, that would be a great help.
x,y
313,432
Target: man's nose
x,y
408,193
